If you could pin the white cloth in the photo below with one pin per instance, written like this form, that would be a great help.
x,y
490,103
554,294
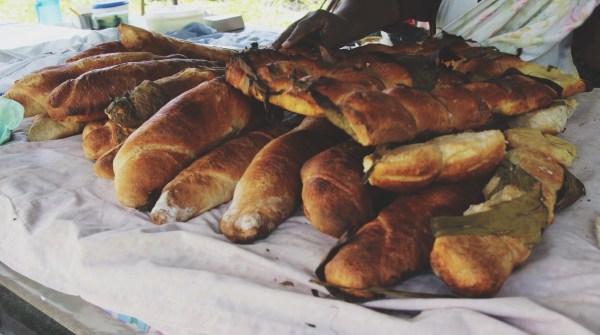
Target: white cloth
x,y
61,226
540,29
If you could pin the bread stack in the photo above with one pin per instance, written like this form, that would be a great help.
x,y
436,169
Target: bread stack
x,y
384,141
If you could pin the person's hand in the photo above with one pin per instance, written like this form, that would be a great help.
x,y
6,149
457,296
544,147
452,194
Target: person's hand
x,y
319,27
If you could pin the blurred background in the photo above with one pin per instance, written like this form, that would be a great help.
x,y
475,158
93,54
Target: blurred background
x,y
265,13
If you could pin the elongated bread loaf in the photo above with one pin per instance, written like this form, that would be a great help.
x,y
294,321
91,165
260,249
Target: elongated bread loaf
x,y
100,49
32,90
86,97
43,128
334,197
103,166
211,179
269,191
98,138
398,241
136,106
446,158
137,39
187,126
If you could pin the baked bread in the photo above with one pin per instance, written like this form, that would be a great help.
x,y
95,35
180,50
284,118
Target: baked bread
x,y
551,120
176,135
211,179
43,128
397,242
100,137
136,106
269,190
476,253
446,158
32,90
103,166
334,197
138,39
85,98
100,49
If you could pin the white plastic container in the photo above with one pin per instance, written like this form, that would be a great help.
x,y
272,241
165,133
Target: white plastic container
x,y
171,18
109,13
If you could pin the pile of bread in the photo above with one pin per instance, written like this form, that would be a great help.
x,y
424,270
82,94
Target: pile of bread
x,y
398,151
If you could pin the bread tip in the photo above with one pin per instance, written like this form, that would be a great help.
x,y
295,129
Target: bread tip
x,y
244,228
164,212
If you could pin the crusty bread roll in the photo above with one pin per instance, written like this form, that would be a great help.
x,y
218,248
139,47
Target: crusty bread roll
x,y
137,39
98,138
43,128
32,90
445,158
269,190
559,150
334,197
187,126
100,49
398,241
211,179
103,166
85,97
136,106
551,120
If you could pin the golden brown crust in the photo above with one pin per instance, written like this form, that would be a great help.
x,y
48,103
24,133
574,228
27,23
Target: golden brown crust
x,y
85,98
100,49
188,125
32,90
270,189
446,158
398,241
210,180
103,166
137,39
97,140
334,197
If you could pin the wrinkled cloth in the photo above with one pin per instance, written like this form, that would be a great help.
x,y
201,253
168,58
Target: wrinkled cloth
x,y
538,30
191,30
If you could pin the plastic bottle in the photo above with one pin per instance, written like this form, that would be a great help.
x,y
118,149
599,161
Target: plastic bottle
x,y
48,11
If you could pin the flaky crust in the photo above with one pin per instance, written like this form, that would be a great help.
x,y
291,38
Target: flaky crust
x,y
269,190
136,39
398,241
85,98
187,126
334,197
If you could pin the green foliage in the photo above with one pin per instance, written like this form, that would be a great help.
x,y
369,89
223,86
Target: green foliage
x,y
266,13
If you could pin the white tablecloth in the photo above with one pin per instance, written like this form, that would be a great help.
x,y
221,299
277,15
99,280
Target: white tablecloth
x,y
62,227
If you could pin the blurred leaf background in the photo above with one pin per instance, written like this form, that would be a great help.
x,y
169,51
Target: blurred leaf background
x,y
266,13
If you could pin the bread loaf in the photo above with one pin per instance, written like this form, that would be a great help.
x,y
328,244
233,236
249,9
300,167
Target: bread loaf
x,y
551,120
334,197
100,49
211,179
137,39
178,133
32,90
103,166
136,106
98,138
446,158
86,97
269,190
43,128
475,254
398,241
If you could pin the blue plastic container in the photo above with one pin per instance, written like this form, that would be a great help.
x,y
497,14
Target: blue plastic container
x,y
48,11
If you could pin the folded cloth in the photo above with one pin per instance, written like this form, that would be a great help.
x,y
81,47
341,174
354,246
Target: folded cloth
x,y
191,30
11,115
